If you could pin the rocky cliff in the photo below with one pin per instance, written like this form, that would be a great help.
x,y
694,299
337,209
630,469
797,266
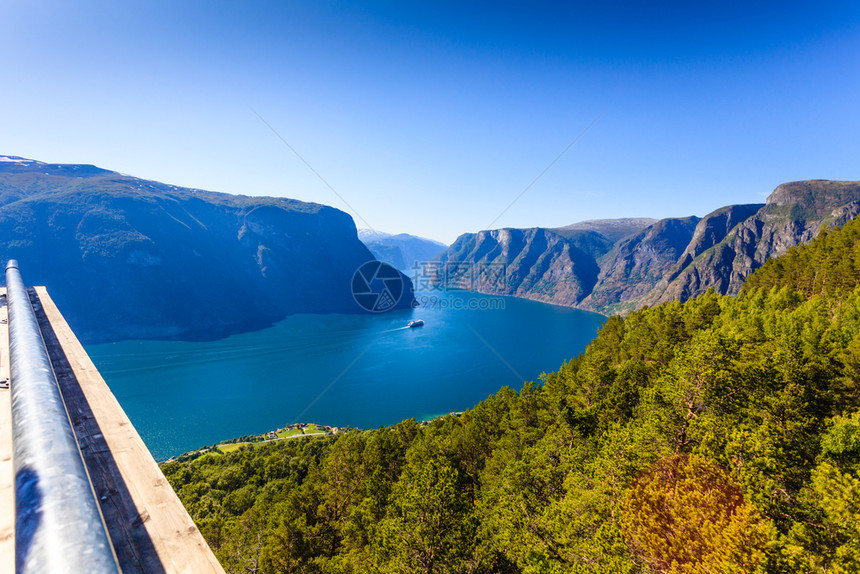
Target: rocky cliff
x,y
533,263
794,213
614,266
636,264
130,258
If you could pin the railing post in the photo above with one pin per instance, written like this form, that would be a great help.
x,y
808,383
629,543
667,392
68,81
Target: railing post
x,y
58,524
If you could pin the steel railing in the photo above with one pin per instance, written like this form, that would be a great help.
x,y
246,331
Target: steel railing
x,y
58,524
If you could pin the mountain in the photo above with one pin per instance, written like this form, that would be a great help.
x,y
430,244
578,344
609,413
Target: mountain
x,y
534,263
612,229
614,266
405,252
578,265
129,258
636,264
793,214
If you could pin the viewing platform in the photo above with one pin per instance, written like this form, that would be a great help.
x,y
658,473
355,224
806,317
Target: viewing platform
x,y
148,527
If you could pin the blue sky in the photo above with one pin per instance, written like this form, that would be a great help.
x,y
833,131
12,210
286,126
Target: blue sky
x,y
432,117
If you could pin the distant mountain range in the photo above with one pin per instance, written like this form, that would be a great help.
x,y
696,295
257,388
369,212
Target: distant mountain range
x,y
613,266
405,252
129,258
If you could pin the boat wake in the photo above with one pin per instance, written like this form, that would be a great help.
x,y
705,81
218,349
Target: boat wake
x,y
395,329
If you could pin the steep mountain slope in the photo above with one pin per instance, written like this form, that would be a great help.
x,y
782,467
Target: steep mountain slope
x,y
637,264
130,258
794,214
533,263
405,252
614,266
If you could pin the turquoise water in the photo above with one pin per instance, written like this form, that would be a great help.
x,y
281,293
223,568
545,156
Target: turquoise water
x,y
362,371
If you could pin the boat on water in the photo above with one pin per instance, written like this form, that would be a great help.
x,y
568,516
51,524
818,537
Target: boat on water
x,y
416,323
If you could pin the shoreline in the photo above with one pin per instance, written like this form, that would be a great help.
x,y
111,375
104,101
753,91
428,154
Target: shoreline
x,y
298,430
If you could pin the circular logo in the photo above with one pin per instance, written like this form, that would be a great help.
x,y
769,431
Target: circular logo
x,y
377,287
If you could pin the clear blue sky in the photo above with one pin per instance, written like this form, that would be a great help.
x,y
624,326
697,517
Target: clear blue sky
x,y
431,117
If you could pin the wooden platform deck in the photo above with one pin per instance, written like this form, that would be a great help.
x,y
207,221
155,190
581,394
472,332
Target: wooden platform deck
x,y
150,529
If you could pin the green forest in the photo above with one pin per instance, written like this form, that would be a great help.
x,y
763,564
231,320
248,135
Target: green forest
x,y
715,436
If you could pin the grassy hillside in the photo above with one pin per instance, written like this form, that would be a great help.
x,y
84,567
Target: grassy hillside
x,y
719,435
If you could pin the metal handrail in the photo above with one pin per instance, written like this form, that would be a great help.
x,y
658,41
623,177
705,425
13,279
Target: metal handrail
x,y
58,524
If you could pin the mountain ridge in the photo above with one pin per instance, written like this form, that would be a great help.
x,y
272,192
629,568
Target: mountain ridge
x,y
642,261
407,253
612,229
131,258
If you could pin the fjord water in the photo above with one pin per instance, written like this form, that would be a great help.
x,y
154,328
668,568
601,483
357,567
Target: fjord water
x,y
360,371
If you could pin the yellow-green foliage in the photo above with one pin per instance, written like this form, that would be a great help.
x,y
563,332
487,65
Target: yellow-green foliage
x,y
686,515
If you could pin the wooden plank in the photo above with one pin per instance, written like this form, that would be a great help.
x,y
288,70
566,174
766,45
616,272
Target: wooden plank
x,y
7,490
151,530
